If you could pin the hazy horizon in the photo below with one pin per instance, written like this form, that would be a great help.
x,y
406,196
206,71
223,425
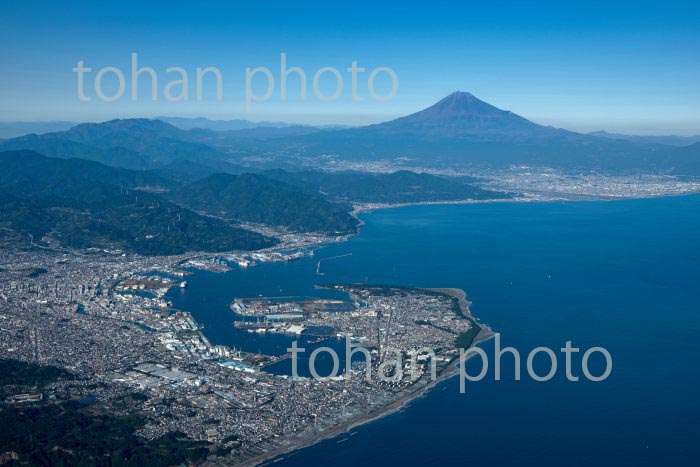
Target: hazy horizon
x,y
360,120
629,67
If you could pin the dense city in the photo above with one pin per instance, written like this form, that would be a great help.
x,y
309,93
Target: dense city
x,y
104,318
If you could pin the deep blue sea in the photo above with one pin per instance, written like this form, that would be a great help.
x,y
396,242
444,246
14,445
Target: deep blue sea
x,y
624,275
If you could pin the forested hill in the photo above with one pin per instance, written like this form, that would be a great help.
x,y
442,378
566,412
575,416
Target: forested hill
x,y
255,198
182,207
398,187
82,204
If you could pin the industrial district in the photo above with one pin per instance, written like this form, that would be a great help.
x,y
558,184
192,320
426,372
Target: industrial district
x,y
104,318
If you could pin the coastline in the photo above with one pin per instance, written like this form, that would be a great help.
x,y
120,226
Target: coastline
x,y
405,400
369,207
526,197
398,405
333,432
361,208
336,431
485,332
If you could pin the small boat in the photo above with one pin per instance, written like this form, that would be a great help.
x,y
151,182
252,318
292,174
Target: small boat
x,y
183,284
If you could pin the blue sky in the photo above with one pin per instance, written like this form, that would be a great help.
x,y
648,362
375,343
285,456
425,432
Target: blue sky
x,y
630,67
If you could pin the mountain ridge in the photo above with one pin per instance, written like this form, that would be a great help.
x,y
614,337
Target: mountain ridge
x,y
137,143
458,131
256,198
462,131
84,204
460,111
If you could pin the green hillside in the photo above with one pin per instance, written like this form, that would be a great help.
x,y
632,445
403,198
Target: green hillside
x,y
255,198
83,204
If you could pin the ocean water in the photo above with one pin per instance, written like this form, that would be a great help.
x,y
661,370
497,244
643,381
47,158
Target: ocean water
x,y
624,275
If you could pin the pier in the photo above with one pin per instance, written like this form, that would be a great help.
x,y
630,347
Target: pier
x,y
318,265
